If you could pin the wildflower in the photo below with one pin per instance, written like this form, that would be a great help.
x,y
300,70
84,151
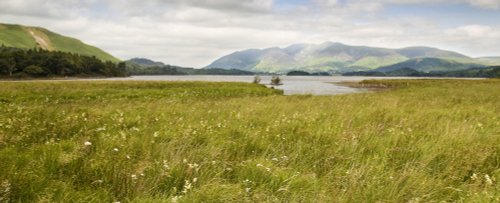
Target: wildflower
x,y
142,174
155,134
191,166
259,165
488,180
128,157
285,158
187,187
175,199
134,177
116,149
87,143
274,159
473,176
268,169
248,189
195,180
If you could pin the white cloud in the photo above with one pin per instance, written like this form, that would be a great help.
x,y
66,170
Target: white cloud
x,y
487,4
196,32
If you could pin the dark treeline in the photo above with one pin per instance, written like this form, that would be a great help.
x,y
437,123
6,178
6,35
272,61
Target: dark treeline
x,y
488,72
21,63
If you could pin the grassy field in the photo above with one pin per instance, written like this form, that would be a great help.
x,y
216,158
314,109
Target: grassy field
x,y
421,141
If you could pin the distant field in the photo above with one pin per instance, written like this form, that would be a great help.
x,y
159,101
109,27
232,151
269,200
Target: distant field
x,y
107,141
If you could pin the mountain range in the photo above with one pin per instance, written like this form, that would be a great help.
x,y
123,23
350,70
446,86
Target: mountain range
x,y
27,37
340,58
143,66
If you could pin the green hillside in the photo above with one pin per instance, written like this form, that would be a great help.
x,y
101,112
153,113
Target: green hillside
x,y
32,37
430,64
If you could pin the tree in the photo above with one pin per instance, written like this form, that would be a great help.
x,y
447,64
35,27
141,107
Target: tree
x,y
10,64
256,79
34,70
276,80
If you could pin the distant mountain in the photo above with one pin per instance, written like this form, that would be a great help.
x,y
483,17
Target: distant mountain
x,y
493,61
145,62
429,64
143,66
484,72
26,37
337,57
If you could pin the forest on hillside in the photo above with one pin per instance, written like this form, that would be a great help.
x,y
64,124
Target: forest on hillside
x,y
22,63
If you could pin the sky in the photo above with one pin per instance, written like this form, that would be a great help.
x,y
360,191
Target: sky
x,y
194,33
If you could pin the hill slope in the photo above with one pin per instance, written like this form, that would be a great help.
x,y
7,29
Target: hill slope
x,y
143,66
26,37
429,64
334,57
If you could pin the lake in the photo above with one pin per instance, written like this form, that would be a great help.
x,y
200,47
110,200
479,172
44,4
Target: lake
x,y
315,85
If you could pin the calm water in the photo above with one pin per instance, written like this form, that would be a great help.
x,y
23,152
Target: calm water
x,y
315,85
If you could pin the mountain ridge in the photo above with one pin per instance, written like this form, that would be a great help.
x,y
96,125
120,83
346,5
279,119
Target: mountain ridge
x,y
338,57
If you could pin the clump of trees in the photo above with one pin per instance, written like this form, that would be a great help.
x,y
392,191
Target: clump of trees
x,y
256,79
16,62
276,80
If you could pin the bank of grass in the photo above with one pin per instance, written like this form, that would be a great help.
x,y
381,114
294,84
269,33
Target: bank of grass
x,y
421,141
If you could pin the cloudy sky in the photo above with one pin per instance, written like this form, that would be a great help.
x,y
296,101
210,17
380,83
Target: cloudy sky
x,y
196,32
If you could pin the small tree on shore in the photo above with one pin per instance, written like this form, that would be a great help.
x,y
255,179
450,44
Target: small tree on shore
x,y
276,80
256,79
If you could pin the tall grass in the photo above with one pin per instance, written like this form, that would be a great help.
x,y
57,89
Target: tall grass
x,y
422,141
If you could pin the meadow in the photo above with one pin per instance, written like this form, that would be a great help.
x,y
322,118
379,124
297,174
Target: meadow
x,y
125,141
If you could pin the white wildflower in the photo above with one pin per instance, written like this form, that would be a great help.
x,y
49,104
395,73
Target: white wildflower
x,y
195,180
248,189
259,165
187,187
194,165
134,177
274,159
175,199
488,180
87,143
473,176
116,149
